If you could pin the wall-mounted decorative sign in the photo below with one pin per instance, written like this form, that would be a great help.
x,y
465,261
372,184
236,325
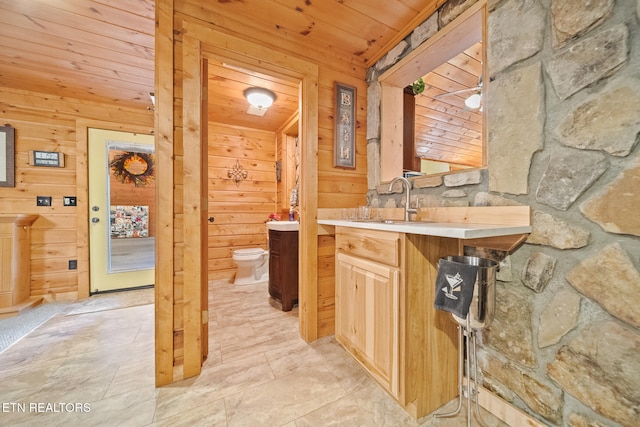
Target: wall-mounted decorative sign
x,y
7,156
133,167
237,173
49,159
344,146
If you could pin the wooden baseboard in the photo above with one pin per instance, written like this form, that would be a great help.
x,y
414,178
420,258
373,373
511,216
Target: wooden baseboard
x,y
16,310
503,410
61,296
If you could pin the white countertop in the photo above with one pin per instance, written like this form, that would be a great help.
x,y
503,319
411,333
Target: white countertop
x,y
440,229
283,225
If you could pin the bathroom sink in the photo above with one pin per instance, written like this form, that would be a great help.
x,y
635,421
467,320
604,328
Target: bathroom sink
x,y
283,225
391,221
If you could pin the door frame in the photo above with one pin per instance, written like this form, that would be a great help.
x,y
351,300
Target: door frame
x,y
82,189
197,42
214,44
101,142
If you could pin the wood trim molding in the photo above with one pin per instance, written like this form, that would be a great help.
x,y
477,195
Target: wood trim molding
x,y
219,45
193,264
465,30
497,215
164,123
417,20
502,409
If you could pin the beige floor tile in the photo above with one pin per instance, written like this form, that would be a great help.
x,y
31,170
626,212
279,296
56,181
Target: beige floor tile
x,y
259,371
366,406
131,377
284,399
212,415
232,377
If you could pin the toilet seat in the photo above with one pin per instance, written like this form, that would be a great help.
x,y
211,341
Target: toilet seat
x,y
247,254
253,266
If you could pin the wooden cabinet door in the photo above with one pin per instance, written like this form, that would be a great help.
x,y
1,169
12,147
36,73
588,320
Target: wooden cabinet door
x,y
367,316
275,263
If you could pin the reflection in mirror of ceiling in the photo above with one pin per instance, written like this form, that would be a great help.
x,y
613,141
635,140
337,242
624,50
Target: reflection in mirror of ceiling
x,y
445,129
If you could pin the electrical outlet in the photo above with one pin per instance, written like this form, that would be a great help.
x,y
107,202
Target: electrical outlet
x,y
69,201
73,264
43,200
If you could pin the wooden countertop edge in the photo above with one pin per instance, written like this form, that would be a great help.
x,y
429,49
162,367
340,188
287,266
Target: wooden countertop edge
x,y
18,219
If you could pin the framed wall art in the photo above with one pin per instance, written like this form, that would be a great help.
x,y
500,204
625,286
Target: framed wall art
x,y
7,156
344,146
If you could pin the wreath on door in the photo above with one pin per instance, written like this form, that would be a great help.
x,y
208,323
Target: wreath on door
x,y
132,167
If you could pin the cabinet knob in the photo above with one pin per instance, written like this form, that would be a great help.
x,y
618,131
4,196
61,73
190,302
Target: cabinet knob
x,y
211,219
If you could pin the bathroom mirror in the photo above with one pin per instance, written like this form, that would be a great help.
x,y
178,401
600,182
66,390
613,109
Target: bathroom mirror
x,y
447,135
448,116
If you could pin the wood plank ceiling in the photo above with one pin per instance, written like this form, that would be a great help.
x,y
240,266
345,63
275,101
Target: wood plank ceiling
x,y
98,50
103,50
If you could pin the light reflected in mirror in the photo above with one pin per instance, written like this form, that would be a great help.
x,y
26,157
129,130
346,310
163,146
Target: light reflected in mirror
x,y
448,127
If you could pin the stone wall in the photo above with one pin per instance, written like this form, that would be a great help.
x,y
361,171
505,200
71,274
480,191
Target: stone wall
x,y
564,123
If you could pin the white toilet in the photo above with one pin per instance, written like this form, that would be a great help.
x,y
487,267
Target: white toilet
x,y
253,266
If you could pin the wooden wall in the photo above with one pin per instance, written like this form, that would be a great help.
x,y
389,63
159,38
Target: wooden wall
x,y
240,210
337,187
49,123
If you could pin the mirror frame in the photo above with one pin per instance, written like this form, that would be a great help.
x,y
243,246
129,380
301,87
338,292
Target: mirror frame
x,y
7,156
458,35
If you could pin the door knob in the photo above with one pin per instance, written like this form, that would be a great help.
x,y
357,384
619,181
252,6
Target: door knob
x,y
211,219
95,219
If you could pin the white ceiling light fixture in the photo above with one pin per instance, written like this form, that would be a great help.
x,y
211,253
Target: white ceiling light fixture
x,y
473,102
259,97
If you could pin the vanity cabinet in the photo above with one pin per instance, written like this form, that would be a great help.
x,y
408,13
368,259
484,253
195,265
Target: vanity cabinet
x,y
367,311
283,267
385,290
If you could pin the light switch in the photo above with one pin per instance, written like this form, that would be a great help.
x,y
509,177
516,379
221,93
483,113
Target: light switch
x,y
43,200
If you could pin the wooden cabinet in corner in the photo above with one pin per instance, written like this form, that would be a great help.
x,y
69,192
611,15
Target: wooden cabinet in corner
x,y
283,267
15,258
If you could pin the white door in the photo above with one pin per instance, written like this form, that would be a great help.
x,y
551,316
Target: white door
x,y
121,210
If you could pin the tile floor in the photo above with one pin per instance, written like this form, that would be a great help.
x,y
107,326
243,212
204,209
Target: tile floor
x,y
96,367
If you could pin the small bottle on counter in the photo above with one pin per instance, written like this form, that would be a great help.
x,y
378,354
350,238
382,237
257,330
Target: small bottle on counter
x,y
291,215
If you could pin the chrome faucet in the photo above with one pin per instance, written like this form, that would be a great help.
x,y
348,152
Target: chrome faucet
x,y
408,210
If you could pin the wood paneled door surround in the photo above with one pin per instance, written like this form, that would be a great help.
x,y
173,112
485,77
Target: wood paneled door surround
x,y
179,292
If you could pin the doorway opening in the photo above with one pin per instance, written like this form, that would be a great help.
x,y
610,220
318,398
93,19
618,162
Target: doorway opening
x,y
305,76
121,210
252,159
187,318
